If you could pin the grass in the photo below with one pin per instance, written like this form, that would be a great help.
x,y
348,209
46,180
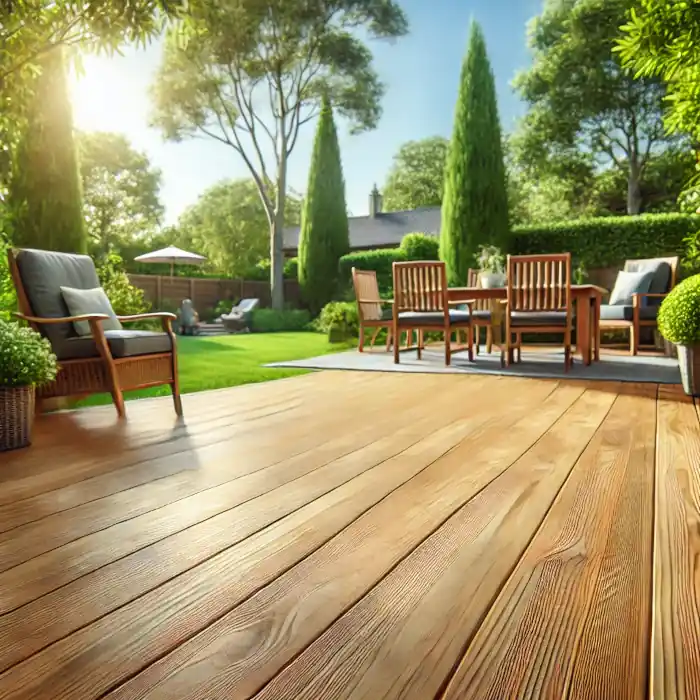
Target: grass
x,y
231,360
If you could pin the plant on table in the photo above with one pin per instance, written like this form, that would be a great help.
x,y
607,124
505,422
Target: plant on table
x,y
26,361
679,323
491,263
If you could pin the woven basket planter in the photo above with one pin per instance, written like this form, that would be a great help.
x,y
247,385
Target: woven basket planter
x,y
16,417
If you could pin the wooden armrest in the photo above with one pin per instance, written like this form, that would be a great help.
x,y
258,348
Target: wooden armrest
x,y
146,317
375,301
65,319
600,290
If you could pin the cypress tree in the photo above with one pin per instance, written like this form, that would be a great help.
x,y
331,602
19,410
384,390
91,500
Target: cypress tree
x,y
475,201
46,192
324,235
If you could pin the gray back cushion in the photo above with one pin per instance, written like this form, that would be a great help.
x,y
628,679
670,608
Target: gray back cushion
x,y
629,283
43,273
661,279
82,302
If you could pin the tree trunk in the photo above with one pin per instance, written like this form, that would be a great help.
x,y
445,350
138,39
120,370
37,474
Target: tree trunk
x,y
634,189
277,237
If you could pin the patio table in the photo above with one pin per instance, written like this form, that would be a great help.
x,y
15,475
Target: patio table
x,y
588,298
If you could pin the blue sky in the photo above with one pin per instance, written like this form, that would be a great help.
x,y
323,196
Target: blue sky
x,y
421,72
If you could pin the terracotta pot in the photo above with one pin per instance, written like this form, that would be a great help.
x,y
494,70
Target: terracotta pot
x,y
16,417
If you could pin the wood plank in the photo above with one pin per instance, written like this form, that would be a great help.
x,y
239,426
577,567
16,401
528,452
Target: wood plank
x,y
57,567
36,624
402,640
675,657
211,471
95,658
247,646
528,644
77,455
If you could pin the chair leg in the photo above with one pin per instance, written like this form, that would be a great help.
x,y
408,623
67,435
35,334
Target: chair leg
x,y
470,347
519,347
489,339
448,347
389,338
477,338
361,344
397,345
409,338
374,337
634,340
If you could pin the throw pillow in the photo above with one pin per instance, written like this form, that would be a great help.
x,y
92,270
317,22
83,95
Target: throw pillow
x,y
90,301
629,283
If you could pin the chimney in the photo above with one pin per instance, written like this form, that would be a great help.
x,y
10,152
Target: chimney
x,y
375,203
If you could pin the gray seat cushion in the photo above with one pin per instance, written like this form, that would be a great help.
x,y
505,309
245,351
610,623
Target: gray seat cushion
x,y
43,273
432,318
81,302
538,318
618,312
661,276
124,343
628,284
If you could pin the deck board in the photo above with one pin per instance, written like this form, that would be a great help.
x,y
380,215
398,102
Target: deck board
x,y
349,535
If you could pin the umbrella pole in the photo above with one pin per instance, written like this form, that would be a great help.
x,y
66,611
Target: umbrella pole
x,y
172,268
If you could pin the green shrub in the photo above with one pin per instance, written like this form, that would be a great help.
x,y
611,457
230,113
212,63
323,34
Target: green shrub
x,y
679,315
25,357
291,269
610,240
272,321
8,298
339,314
420,246
380,261
127,300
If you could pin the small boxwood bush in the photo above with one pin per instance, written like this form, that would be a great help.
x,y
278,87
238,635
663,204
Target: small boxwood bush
x,y
420,246
378,260
679,315
272,321
26,359
339,314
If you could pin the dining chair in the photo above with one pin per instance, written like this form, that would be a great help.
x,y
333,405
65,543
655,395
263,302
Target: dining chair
x,y
482,317
538,300
421,303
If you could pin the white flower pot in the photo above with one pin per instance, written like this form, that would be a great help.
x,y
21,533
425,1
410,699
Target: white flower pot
x,y
491,280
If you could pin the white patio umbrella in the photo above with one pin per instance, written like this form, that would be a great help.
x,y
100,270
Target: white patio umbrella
x,y
173,256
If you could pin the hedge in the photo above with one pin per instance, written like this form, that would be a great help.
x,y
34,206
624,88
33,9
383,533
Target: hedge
x,y
599,242
609,241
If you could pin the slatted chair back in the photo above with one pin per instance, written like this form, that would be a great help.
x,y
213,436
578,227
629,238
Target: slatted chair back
x,y
474,280
539,282
366,287
420,286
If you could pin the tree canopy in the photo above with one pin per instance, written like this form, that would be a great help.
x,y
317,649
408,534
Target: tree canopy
x,y
475,201
661,39
121,191
324,236
251,74
581,98
417,175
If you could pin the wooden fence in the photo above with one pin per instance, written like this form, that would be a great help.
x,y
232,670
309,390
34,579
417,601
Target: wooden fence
x,y
167,292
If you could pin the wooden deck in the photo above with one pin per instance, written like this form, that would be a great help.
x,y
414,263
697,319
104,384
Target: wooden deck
x,y
365,536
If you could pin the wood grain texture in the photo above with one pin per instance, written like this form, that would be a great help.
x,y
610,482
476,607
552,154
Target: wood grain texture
x,y
675,658
247,646
530,641
436,598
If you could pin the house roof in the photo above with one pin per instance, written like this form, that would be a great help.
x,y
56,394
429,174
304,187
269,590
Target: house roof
x,y
386,229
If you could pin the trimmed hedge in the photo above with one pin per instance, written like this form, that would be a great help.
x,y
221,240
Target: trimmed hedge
x,y
609,241
598,242
274,321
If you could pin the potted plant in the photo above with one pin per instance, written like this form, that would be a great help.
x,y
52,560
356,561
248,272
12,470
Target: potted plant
x,y
491,264
679,323
26,361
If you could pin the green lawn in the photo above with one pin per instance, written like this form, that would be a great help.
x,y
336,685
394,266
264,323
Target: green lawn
x,y
230,360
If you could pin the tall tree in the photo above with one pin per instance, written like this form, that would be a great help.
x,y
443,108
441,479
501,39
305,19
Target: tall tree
x,y
46,195
417,175
475,201
324,235
121,191
252,73
580,97
662,40
228,224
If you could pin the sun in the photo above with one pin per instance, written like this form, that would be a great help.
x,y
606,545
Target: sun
x,y
107,95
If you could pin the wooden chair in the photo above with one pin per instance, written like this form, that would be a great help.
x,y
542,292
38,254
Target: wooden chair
x,y
369,309
539,300
641,313
109,361
421,303
482,314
